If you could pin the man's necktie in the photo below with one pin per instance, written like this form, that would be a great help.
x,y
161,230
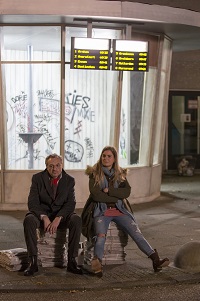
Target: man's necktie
x,y
54,183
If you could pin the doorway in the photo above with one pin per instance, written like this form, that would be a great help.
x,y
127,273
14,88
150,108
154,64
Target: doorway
x,y
184,127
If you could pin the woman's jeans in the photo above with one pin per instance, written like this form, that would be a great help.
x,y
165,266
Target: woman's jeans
x,y
126,224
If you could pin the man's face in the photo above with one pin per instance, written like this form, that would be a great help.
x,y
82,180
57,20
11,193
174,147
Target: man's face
x,y
54,167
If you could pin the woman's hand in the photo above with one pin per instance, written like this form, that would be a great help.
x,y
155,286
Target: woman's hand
x,y
105,190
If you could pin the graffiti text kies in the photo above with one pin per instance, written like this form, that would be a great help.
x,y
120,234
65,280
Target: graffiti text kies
x,y
78,100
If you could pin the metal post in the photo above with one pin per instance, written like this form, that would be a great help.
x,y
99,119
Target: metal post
x,y
89,29
128,31
30,108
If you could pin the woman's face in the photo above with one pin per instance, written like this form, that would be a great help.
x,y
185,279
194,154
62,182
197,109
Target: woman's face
x,y
107,159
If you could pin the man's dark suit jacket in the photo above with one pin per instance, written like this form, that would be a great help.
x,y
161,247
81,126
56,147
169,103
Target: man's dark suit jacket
x,y
41,200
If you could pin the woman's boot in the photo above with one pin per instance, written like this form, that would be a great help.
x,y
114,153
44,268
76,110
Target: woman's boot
x,y
158,263
33,266
96,266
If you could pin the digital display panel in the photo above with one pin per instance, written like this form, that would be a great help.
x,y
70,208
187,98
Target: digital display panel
x,y
89,53
130,56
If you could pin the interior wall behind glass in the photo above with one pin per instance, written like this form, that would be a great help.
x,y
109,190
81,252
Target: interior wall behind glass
x,y
136,101
147,123
124,140
88,114
90,97
162,101
43,40
136,118
31,93
131,114
33,113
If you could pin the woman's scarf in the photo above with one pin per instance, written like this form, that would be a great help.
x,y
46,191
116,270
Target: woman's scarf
x,y
100,208
109,174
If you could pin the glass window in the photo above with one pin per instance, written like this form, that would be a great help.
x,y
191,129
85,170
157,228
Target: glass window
x,y
31,70
184,127
90,97
31,93
161,107
130,122
146,134
35,43
88,115
33,110
138,94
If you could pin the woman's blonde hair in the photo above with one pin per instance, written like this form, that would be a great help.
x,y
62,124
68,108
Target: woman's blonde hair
x,y
119,174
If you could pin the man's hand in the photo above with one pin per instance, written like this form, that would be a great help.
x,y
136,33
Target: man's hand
x,y
46,222
52,227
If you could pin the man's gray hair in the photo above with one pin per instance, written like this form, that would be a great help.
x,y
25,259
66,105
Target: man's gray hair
x,y
53,156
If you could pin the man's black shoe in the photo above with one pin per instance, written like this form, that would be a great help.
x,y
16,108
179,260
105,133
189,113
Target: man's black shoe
x,y
72,267
32,268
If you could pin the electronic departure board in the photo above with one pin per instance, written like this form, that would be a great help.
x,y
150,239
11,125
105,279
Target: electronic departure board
x,y
89,53
130,55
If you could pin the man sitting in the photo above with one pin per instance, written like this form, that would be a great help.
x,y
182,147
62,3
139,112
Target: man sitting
x,y
51,205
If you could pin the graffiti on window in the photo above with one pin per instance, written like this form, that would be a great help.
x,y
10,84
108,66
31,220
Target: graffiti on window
x,y
89,147
73,151
42,138
122,138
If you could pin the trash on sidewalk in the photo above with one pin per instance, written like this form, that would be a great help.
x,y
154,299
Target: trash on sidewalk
x,y
14,259
186,165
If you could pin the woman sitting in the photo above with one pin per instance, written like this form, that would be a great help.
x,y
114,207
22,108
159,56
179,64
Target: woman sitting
x,y
108,190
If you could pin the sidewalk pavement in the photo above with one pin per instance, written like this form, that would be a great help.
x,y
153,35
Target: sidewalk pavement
x,y
167,223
